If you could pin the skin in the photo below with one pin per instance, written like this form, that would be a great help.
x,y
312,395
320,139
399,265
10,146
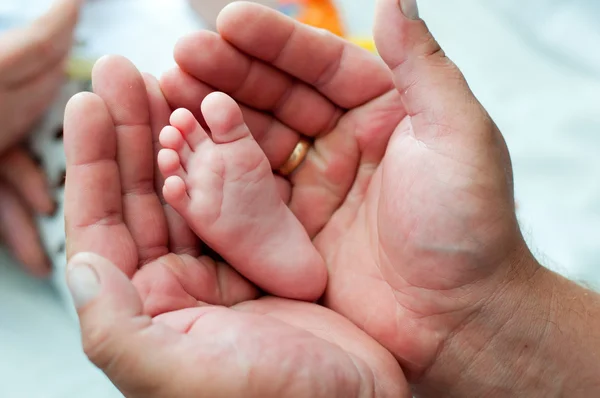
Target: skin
x,y
230,347
408,187
407,194
23,191
32,67
224,188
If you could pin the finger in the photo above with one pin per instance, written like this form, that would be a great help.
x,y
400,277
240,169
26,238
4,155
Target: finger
x,y
30,51
433,90
346,74
93,208
276,139
322,181
18,231
116,336
181,238
121,86
209,58
159,118
21,173
339,166
146,358
284,188
27,104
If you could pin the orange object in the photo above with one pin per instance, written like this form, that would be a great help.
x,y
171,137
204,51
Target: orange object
x,y
322,14
318,13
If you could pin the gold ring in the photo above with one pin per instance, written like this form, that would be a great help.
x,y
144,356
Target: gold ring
x,y
296,158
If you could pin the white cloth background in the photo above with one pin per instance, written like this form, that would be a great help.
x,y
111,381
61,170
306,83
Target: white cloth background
x,y
532,64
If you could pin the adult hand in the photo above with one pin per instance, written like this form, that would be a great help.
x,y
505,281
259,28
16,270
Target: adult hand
x,y
32,68
155,336
407,190
23,192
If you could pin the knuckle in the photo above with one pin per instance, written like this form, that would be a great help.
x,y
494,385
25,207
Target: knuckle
x,y
97,343
110,348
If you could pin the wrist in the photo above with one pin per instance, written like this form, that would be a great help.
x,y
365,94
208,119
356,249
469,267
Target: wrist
x,y
496,352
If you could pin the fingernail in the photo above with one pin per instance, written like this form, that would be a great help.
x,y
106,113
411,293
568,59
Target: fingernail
x,y
83,283
410,9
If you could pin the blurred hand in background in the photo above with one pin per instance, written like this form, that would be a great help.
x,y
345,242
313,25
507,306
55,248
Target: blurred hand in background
x,y
33,60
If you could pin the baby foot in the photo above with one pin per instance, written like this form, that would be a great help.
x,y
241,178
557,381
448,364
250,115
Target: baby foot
x,y
224,187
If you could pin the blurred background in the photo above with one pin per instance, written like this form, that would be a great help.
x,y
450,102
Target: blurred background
x,y
532,64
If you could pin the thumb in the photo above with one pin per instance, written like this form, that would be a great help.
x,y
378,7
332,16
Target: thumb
x,y
116,336
434,92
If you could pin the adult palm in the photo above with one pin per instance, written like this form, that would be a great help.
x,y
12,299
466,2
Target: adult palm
x,y
169,322
408,188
